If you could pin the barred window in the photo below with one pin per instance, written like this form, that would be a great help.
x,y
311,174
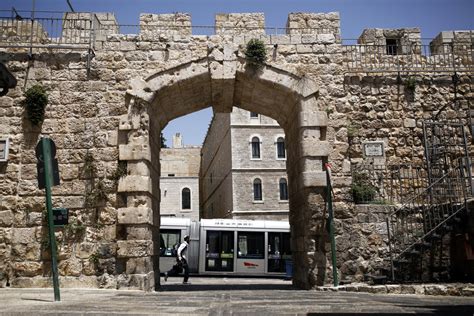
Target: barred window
x,y
257,190
186,199
283,189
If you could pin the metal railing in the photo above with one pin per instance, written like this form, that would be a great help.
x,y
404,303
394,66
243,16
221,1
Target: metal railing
x,y
423,214
409,58
48,32
387,184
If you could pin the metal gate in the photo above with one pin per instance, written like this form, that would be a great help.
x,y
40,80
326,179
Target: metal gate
x,y
446,148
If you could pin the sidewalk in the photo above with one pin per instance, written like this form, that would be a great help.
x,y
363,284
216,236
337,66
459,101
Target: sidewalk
x,y
224,296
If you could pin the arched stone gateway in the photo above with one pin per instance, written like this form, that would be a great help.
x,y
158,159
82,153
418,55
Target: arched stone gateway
x,y
223,80
376,119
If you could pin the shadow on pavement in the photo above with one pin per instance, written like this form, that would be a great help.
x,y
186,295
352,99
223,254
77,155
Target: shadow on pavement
x,y
35,299
224,287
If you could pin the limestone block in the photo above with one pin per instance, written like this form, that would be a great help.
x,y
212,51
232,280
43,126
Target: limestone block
x,y
134,248
304,49
311,164
281,40
5,235
139,233
5,250
139,265
314,179
31,282
314,147
326,38
106,281
6,218
85,250
230,51
129,122
140,89
135,184
71,267
435,289
135,152
23,235
317,118
409,123
79,282
135,215
27,268
128,46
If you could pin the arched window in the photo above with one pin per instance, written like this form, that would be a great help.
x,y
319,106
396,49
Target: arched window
x,y
283,190
281,154
257,190
255,148
186,199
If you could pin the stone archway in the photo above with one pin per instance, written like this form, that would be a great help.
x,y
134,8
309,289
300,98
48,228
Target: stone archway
x,y
222,80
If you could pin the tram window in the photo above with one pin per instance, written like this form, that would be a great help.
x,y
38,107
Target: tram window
x,y
169,242
251,245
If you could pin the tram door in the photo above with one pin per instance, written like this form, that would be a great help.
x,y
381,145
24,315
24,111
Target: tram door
x,y
278,251
219,251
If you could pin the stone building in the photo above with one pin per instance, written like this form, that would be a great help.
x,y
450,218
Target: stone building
x,y
243,168
179,180
110,95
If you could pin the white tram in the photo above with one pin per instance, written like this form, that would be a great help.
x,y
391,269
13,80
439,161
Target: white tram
x,y
225,246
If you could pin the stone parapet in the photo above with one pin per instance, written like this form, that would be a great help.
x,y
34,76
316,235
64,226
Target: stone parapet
x,y
152,26
313,23
250,24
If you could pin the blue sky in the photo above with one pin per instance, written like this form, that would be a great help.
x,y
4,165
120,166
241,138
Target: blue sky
x,y
432,16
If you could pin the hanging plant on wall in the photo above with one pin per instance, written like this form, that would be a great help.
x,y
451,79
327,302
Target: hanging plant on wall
x,y
35,103
255,52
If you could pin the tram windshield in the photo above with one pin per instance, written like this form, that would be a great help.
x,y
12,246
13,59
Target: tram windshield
x,y
169,243
251,245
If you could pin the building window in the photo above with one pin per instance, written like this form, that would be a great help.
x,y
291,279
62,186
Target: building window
x,y
186,199
255,148
257,190
283,190
281,148
253,115
391,46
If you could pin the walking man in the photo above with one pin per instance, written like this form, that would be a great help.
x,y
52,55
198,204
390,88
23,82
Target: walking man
x,y
182,262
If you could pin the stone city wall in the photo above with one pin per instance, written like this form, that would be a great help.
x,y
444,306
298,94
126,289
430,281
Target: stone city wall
x,y
110,239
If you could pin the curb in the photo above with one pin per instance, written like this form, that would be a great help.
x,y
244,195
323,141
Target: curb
x,y
454,289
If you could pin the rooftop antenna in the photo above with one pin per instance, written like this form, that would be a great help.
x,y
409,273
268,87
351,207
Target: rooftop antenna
x,y
70,6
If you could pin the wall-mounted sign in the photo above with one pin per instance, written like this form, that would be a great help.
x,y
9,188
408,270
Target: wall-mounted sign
x,y
373,149
4,144
60,216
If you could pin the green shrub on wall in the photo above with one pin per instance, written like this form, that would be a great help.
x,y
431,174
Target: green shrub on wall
x,y
35,103
362,190
255,52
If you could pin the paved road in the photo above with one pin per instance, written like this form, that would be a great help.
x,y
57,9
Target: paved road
x,y
225,296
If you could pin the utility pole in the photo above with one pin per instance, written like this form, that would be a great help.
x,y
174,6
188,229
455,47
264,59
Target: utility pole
x,y
45,152
331,225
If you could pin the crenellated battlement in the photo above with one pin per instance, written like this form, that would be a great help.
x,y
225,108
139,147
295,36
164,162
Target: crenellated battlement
x,y
305,33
